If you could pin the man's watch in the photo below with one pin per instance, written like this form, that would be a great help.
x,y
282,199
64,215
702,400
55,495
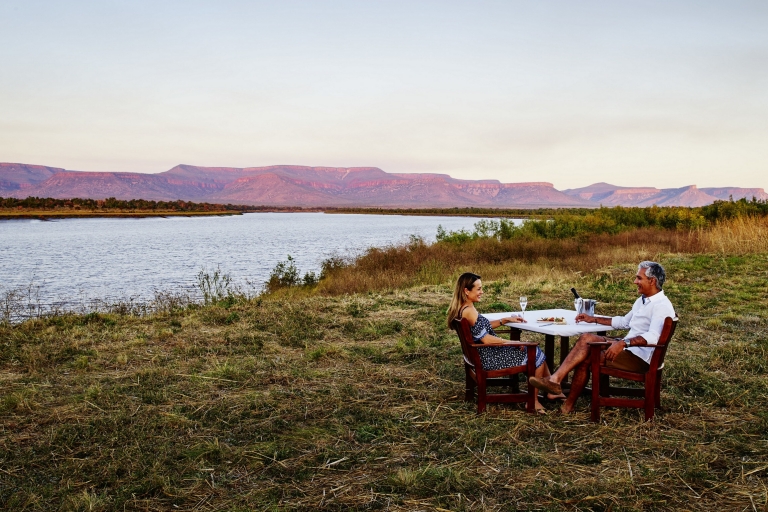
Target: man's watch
x,y
626,343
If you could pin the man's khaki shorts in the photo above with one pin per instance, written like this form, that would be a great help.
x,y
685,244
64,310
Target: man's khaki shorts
x,y
628,361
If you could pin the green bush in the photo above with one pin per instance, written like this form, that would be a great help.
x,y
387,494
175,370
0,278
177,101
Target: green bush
x,y
570,223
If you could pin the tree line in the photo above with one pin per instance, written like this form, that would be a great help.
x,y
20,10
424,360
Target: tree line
x,y
111,203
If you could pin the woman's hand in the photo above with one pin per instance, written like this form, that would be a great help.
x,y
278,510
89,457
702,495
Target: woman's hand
x,y
510,320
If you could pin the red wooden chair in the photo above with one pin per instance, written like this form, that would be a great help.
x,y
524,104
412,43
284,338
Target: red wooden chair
x,y
649,396
477,377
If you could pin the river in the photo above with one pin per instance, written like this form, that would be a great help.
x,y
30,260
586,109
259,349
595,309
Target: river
x,y
70,262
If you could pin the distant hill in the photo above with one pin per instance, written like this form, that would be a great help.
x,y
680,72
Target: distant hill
x,y
284,185
293,185
20,177
611,195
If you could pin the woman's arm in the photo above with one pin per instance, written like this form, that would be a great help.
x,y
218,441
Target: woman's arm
x,y
506,320
472,315
489,339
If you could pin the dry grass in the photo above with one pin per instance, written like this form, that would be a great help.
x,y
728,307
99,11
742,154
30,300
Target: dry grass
x,y
420,264
742,235
354,402
533,260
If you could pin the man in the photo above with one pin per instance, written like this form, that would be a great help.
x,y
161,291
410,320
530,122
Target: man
x,y
632,353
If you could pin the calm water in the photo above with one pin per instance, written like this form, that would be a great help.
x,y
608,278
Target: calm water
x,y
77,260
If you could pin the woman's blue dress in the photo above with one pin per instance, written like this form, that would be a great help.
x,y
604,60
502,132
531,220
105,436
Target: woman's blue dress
x,y
500,357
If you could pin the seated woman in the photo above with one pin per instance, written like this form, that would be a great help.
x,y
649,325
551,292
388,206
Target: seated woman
x,y
500,353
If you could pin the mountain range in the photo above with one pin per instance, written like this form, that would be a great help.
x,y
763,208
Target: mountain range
x,y
294,185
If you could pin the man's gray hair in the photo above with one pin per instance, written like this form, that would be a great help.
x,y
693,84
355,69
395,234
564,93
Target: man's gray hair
x,y
655,270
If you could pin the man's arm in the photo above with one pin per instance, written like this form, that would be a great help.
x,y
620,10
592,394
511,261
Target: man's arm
x,y
636,341
648,338
618,346
583,317
652,335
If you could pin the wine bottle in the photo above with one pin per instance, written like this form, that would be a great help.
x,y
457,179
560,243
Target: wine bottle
x,y
573,291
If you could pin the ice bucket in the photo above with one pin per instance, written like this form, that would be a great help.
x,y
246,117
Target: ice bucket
x,y
586,306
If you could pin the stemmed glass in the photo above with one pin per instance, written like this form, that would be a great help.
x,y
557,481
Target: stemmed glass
x,y
523,303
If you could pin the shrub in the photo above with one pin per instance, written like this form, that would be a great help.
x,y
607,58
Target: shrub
x,y
283,275
214,287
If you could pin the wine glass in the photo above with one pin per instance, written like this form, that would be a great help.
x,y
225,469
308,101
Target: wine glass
x,y
523,303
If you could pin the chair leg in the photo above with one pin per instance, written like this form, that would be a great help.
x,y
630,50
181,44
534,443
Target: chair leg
x,y
597,381
481,394
657,390
515,384
530,403
650,397
595,412
469,393
605,385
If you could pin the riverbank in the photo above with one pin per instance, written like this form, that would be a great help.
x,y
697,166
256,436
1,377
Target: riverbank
x,y
61,213
80,214
312,399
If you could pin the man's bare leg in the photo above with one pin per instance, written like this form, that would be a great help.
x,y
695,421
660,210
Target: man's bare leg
x,y
580,378
578,354
543,372
579,382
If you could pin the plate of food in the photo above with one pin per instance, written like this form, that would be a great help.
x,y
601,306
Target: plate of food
x,y
557,320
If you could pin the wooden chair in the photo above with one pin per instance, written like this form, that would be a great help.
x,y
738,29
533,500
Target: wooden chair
x,y
477,377
603,394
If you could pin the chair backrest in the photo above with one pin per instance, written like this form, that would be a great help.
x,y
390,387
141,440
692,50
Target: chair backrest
x,y
462,328
670,324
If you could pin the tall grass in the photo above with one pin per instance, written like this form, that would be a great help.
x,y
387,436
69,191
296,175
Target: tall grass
x,y
24,303
419,264
492,254
742,235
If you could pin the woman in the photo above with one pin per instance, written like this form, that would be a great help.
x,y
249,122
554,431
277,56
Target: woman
x,y
500,353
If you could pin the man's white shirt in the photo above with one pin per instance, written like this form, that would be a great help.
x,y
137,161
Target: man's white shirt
x,y
647,320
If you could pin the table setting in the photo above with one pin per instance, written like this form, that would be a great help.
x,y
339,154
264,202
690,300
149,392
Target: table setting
x,y
553,322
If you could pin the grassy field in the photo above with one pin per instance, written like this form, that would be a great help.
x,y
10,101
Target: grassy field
x,y
342,396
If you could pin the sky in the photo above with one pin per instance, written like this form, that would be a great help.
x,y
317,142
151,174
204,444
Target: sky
x,y
664,94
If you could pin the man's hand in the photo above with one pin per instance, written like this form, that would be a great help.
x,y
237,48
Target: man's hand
x,y
583,317
614,350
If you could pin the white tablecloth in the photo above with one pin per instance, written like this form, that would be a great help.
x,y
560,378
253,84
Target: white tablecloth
x,y
531,317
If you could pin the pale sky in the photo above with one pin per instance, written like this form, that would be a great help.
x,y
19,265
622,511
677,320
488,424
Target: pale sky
x,y
661,94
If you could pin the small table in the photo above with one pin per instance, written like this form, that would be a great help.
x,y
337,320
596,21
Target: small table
x,y
552,330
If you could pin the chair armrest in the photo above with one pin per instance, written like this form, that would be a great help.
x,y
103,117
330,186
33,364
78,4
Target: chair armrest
x,y
510,344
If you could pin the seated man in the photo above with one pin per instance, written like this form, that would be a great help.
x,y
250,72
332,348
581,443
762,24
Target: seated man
x,y
632,353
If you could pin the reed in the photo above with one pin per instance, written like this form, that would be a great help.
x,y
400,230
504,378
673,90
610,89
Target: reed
x,y
422,264
418,263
